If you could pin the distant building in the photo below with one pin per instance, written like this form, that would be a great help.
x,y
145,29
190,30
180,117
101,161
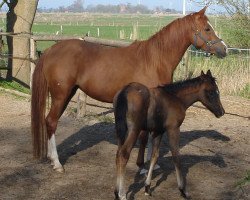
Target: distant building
x,y
123,8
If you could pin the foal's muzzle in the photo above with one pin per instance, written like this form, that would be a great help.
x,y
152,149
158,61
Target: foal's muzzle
x,y
220,112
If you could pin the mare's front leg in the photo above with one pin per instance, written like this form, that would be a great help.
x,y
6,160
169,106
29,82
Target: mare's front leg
x,y
154,158
174,138
122,157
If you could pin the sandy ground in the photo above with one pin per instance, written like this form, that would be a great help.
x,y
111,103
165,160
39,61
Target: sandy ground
x,y
215,155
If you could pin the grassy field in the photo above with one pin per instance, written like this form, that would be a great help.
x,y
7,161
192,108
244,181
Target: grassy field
x,y
233,72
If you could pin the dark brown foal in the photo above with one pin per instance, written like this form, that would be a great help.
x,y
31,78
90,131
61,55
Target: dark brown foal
x,y
159,110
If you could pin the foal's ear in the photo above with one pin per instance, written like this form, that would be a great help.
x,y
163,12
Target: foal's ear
x,y
202,73
209,73
202,11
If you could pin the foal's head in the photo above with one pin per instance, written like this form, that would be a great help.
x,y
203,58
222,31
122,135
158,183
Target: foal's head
x,y
203,36
209,94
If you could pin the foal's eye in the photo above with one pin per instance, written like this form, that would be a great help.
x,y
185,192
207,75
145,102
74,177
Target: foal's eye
x,y
207,29
211,94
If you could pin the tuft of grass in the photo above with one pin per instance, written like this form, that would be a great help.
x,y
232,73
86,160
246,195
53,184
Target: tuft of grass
x,y
14,86
245,180
245,92
106,119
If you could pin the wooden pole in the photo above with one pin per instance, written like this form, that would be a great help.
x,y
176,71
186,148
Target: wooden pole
x,y
81,104
186,60
33,57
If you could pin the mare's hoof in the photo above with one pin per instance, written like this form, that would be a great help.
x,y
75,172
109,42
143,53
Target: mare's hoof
x,y
59,169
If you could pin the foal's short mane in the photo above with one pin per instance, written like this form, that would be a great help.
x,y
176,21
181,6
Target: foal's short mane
x,y
194,82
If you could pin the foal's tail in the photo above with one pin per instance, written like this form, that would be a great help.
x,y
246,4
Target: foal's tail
x,y
121,107
38,109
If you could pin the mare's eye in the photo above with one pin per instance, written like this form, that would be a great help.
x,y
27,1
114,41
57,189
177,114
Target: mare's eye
x,y
207,29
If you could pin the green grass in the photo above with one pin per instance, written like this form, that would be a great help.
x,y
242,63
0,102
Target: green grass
x,y
245,180
245,92
232,73
14,86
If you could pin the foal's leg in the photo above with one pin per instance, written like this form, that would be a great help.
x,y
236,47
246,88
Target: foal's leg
x,y
150,148
143,137
58,105
122,157
174,137
154,157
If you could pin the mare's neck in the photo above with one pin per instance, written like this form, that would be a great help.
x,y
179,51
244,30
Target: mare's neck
x,y
171,43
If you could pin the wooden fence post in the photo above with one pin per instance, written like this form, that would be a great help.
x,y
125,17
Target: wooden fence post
x,y
33,57
81,104
186,60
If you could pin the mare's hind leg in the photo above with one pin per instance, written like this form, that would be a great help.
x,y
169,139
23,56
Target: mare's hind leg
x,y
145,138
174,137
58,105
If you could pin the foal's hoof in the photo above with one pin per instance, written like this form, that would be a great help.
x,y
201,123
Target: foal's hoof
x,y
147,190
59,169
117,196
185,194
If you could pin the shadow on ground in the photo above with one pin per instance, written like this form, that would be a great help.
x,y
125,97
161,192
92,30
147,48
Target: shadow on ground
x,y
92,135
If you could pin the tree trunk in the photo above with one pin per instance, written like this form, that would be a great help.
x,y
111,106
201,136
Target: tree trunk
x,y
19,20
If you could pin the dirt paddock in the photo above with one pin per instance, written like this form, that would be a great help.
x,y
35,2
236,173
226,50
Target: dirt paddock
x,y
215,154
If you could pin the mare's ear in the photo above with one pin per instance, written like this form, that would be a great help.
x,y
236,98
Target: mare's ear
x,y
202,11
209,73
202,73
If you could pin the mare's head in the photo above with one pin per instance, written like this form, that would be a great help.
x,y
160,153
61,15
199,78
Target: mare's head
x,y
209,94
203,36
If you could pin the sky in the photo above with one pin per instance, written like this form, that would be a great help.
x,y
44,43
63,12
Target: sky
x,y
173,4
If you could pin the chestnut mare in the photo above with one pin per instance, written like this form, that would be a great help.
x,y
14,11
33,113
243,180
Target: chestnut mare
x,y
159,110
102,71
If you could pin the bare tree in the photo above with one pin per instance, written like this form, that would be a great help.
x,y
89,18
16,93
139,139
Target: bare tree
x,y
20,17
238,12
240,7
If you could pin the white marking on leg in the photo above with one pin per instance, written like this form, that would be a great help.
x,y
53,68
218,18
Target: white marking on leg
x,y
49,150
149,154
179,177
121,189
150,172
54,156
